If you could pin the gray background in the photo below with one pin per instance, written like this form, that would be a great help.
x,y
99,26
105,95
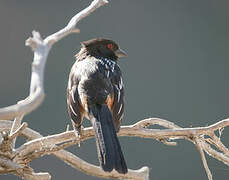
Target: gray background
x,y
176,69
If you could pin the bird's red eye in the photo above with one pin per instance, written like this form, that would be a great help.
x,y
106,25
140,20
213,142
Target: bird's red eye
x,y
110,46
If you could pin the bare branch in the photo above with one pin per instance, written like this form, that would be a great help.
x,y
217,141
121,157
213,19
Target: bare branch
x,y
37,176
199,147
219,144
215,154
71,27
79,164
138,130
71,159
28,105
178,133
51,144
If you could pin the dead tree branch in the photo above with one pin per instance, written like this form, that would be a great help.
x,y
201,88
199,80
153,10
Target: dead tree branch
x,y
41,146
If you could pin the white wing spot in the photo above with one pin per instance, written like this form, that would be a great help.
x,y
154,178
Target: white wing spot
x,y
120,109
73,110
73,98
118,95
120,84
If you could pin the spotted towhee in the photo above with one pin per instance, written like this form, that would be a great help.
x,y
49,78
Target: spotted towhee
x,y
95,91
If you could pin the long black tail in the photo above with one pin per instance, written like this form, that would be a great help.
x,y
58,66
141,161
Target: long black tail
x,y
108,147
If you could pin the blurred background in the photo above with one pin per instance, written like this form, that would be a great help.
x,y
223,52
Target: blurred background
x,y
176,69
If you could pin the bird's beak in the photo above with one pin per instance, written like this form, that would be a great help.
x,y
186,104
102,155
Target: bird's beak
x,y
120,53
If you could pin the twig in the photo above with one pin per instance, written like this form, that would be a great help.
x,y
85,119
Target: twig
x,y
15,127
18,131
215,154
219,144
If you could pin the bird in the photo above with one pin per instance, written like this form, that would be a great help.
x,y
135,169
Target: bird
x,y
95,91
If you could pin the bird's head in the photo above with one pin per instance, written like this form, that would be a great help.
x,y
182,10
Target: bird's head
x,y
105,48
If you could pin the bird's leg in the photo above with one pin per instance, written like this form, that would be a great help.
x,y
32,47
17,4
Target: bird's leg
x,y
78,134
77,130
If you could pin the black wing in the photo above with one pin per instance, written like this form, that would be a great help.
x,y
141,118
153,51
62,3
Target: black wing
x,y
118,105
74,106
